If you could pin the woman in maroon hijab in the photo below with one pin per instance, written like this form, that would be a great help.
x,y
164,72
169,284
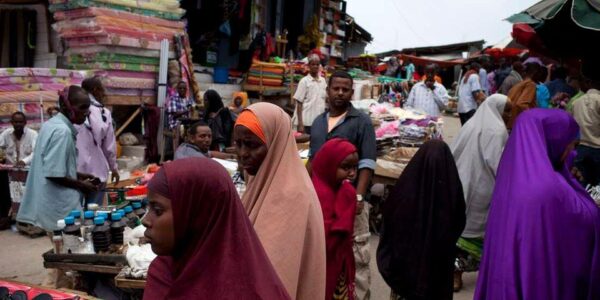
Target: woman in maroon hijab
x,y
333,168
206,245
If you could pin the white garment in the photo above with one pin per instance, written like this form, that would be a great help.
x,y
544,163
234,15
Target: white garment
x,y
477,150
483,82
466,101
431,102
312,93
24,151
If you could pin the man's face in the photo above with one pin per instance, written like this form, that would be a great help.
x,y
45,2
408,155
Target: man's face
x,y
430,81
99,93
340,92
182,89
203,138
81,108
313,67
18,122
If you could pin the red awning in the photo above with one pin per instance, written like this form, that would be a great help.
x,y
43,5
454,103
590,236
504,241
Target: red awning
x,y
422,61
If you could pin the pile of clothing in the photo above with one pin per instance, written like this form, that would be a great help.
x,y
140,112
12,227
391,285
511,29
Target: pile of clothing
x,y
24,89
121,39
269,74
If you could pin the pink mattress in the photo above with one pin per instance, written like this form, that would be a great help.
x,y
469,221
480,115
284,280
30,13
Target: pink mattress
x,y
98,11
129,83
114,40
115,49
24,97
126,74
130,92
41,72
104,25
32,87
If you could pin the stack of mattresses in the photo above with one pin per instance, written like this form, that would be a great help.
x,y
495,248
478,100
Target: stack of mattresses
x,y
31,89
120,39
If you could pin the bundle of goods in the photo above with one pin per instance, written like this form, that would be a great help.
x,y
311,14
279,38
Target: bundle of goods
x,y
121,39
30,90
267,74
397,126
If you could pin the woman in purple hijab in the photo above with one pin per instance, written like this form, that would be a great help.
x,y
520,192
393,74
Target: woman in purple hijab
x,y
543,233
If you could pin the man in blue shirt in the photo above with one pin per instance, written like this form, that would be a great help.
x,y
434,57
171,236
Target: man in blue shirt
x,y
344,121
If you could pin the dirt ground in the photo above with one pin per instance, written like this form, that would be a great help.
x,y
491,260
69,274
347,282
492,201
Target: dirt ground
x,y
21,256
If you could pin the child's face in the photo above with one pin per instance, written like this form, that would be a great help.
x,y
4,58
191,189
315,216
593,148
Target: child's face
x,y
237,101
348,168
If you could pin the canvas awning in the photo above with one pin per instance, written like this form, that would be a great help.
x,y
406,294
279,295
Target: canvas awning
x,y
560,28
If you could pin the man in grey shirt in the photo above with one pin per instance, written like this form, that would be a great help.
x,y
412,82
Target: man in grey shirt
x,y
515,76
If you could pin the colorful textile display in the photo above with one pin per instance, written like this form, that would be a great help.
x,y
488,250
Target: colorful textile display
x,y
120,40
33,90
268,74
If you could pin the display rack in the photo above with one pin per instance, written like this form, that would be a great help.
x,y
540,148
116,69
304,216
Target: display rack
x,y
332,23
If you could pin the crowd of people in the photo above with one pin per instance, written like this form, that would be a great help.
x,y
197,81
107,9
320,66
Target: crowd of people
x,y
502,198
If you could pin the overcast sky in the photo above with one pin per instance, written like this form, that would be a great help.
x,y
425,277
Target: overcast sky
x,y
397,24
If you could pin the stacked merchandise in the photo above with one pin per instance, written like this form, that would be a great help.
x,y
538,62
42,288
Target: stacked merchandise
x,y
266,74
24,89
121,40
407,127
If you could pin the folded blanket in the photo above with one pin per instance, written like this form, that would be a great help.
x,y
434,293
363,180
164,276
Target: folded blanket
x,y
267,82
265,75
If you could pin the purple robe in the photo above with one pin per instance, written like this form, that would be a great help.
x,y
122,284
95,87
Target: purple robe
x,y
543,233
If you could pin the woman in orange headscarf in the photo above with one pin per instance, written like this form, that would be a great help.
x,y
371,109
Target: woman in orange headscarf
x,y
281,201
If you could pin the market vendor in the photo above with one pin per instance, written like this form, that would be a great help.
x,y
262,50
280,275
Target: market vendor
x,y
344,121
198,144
54,187
178,107
428,96
310,96
96,144
17,144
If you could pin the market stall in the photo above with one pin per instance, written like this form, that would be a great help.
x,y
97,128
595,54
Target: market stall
x,y
399,132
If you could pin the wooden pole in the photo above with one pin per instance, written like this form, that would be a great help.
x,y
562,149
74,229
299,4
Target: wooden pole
x,y
137,112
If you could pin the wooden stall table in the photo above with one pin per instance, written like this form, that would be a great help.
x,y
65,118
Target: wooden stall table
x,y
123,282
92,263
